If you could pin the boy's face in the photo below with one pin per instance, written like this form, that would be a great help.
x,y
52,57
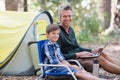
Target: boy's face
x,y
53,35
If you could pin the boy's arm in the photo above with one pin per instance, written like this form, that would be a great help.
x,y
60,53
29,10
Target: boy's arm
x,y
69,65
65,63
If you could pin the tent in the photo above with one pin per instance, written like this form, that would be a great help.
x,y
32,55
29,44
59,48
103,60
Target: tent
x,y
17,30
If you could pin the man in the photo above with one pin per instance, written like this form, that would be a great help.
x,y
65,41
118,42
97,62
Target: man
x,y
72,50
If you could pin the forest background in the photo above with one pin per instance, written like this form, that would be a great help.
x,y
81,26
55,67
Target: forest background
x,y
95,22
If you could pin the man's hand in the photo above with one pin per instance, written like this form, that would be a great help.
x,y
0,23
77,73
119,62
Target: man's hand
x,y
98,50
83,54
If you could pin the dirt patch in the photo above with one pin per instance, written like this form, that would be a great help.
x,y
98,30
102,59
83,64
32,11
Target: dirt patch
x,y
18,77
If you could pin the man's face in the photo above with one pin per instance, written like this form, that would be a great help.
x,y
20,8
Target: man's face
x,y
66,18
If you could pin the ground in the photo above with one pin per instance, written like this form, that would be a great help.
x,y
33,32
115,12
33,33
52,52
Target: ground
x,y
113,48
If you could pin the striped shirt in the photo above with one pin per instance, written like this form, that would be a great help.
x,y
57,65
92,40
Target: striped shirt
x,y
53,53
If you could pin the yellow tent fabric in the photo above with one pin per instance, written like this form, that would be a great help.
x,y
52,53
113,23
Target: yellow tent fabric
x,y
41,29
13,26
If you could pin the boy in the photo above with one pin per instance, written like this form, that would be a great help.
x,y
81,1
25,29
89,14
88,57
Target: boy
x,y
54,55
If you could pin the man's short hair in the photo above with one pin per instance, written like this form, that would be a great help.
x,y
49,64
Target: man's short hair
x,y
52,27
64,7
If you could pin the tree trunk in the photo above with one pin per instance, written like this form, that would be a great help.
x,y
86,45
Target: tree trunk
x,y
113,9
12,5
103,7
25,6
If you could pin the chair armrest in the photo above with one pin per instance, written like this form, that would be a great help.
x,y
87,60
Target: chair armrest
x,y
75,61
57,65
53,65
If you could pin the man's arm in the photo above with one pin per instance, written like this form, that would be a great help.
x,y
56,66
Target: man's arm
x,y
70,56
85,49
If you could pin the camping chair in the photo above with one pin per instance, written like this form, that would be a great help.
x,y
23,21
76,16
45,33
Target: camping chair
x,y
42,65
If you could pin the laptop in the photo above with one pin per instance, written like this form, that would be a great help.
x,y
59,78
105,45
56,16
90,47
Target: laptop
x,y
95,55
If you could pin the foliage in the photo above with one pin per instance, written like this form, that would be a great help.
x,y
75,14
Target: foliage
x,y
84,36
85,17
91,23
90,26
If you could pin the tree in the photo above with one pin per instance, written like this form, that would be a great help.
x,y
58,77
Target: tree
x,y
113,9
25,5
12,5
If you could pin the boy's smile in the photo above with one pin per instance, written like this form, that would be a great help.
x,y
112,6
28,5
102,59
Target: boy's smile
x,y
53,35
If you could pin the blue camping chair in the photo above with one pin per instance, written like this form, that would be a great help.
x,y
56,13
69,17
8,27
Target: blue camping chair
x,y
42,65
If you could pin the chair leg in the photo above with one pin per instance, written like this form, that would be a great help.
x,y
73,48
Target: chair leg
x,y
59,78
40,78
74,77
